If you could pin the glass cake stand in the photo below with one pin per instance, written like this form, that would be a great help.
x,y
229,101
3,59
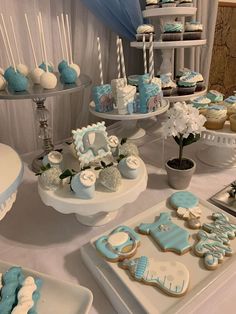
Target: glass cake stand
x,y
39,96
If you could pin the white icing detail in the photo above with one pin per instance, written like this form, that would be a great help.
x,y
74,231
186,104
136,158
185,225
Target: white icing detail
x,y
145,28
118,238
133,162
125,95
187,213
24,296
55,157
87,178
113,141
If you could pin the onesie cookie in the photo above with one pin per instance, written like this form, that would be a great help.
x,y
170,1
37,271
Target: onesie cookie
x,y
221,227
120,244
212,249
169,236
187,208
171,277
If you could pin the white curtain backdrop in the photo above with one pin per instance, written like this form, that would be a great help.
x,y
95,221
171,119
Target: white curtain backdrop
x,y
17,126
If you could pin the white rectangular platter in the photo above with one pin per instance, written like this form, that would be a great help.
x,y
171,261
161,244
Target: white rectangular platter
x,y
128,296
58,297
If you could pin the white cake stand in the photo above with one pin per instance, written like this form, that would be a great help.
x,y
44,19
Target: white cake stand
x,y
129,122
103,207
221,147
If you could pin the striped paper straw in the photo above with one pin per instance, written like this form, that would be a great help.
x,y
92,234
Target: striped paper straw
x,y
144,55
151,57
122,59
118,55
100,60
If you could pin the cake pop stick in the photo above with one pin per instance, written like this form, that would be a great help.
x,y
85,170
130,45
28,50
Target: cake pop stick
x,y
118,55
8,42
151,57
40,39
5,44
122,59
69,40
31,41
43,40
60,37
64,33
144,55
100,60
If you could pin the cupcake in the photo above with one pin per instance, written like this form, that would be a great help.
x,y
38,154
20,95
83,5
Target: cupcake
x,y
186,85
201,103
182,72
193,30
168,3
215,96
144,30
216,116
199,80
172,31
167,85
151,4
185,3
230,104
232,120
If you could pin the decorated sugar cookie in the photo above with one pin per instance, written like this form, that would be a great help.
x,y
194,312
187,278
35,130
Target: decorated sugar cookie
x,y
120,244
211,248
186,205
169,236
171,277
221,227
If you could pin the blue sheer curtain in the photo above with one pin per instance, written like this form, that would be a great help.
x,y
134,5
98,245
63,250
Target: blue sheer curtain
x,y
122,16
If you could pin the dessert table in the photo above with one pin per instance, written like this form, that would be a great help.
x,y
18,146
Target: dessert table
x,y
38,237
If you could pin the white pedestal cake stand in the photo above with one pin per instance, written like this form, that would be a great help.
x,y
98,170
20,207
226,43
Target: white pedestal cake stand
x,y
221,148
103,207
129,127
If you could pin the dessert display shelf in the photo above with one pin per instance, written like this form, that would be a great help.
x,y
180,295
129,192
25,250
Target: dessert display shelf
x,y
176,98
171,44
129,130
175,11
11,169
103,207
221,147
39,95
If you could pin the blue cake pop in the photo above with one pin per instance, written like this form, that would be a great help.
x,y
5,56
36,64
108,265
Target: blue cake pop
x,y
8,73
68,75
43,67
18,82
62,65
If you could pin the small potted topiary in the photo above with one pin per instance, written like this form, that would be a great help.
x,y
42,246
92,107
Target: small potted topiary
x,y
185,125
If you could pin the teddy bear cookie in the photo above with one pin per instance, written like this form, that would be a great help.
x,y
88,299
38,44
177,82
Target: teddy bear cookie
x,y
171,277
186,205
120,244
211,247
169,236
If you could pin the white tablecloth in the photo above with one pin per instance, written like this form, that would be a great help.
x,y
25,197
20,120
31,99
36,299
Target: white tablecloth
x,y
38,237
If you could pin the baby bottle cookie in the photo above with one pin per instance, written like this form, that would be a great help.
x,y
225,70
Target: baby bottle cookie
x,y
120,244
169,236
171,277
186,205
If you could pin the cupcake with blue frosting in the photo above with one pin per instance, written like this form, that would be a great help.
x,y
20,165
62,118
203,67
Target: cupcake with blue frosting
x,y
167,84
168,3
182,72
186,85
152,4
172,31
216,116
201,103
215,96
198,79
230,104
145,30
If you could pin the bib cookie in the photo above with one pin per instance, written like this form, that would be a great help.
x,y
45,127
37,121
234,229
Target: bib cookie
x,y
169,236
171,277
211,248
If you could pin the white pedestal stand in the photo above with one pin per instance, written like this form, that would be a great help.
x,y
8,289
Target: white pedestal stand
x,y
221,148
128,128
103,207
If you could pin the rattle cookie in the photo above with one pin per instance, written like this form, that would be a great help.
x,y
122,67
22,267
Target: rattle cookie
x,y
212,249
120,244
221,227
187,208
168,235
171,277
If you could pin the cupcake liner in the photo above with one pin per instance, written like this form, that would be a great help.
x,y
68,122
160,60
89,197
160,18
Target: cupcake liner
x,y
139,37
185,4
167,91
200,86
192,35
215,124
186,90
171,36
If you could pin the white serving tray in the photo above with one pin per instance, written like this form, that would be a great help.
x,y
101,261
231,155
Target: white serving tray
x,y
58,297
128,296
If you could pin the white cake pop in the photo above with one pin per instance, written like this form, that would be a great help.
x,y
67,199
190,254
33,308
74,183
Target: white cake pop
x,y
35,75
3,83
76,68
1,71
23,69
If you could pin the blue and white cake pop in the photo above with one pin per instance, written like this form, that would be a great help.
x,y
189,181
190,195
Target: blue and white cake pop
x,y
129,167
8,72
62,65
83,184
44,67
68,75
18,82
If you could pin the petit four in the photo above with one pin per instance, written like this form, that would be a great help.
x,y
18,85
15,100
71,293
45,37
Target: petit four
x,y
216,116
172,31
129,167
144,30
193,30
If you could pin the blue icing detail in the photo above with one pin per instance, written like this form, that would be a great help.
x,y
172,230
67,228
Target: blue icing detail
x,y
141,267
36,295
143,79
113,253
215,96
18,82
102,96
68,75
216,107
184,199
11,284
231,100
167,234
147,94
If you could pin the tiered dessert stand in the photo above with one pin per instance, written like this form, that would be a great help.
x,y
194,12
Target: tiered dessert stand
x,y
170,48
39,95
220,150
